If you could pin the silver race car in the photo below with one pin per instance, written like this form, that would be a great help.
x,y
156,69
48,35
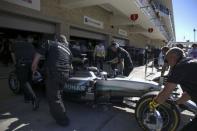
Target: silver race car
x,y
92,85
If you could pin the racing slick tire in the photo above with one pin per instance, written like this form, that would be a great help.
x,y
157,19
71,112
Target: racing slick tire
x,y
169,112
14,83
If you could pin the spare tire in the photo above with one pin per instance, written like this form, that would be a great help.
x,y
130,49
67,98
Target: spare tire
x,y
169,112
14,83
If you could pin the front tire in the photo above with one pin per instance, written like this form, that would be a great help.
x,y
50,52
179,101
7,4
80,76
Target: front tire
x,y
169,112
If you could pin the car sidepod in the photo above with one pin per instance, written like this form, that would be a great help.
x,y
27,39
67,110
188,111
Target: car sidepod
x,y
125,87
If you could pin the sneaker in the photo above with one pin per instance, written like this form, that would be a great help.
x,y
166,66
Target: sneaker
x,y
64,122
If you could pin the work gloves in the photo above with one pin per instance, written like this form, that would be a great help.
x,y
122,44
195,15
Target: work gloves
x,y
153,105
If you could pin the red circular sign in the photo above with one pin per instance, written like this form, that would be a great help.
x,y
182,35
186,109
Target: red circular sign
x,y
150,30
134,17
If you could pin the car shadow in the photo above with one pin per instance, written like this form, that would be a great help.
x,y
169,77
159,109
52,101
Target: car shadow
x,y
15,115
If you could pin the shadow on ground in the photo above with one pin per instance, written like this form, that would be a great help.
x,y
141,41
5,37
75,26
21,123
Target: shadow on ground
x,y
18,116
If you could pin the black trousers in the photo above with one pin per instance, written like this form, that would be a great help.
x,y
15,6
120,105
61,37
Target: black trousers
x,y
24,75
54,88
191,126
141,59
127,70
99,61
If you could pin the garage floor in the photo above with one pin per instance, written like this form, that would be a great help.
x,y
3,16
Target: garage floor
x,y
5,92
16,115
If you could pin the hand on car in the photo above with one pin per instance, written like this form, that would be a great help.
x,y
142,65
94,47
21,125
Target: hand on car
x,y
153,105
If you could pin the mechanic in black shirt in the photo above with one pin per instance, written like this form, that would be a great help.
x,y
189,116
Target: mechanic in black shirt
x,y
58,62
123,58
22,53
183,72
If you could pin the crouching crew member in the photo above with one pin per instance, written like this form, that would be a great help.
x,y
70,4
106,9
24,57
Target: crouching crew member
x,y
123,58
58,65
183,71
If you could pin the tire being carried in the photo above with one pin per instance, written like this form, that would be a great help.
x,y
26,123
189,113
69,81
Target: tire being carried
x,y
14,83
168,111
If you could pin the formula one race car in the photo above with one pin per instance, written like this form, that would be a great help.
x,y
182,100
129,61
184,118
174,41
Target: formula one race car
x,y
92,85
95,86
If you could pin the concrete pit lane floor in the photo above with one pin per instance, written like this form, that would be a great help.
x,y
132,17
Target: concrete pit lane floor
x,y
15,115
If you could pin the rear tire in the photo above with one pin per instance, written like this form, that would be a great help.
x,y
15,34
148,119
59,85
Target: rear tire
x,y
14,83
168,111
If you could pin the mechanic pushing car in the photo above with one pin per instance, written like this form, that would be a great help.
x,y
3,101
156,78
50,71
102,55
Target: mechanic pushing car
x,y
58,62
123,58
184,72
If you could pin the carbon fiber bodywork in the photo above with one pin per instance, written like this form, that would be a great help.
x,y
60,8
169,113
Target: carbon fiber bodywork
x,y
83,85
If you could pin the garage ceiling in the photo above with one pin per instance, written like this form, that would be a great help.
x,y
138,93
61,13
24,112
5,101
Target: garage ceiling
x,y
123,9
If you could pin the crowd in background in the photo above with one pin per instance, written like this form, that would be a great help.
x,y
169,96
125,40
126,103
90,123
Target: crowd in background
x,y
139,56
97,53
7,49
160,56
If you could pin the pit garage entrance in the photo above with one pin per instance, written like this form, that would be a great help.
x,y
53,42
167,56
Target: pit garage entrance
x,y
11,26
